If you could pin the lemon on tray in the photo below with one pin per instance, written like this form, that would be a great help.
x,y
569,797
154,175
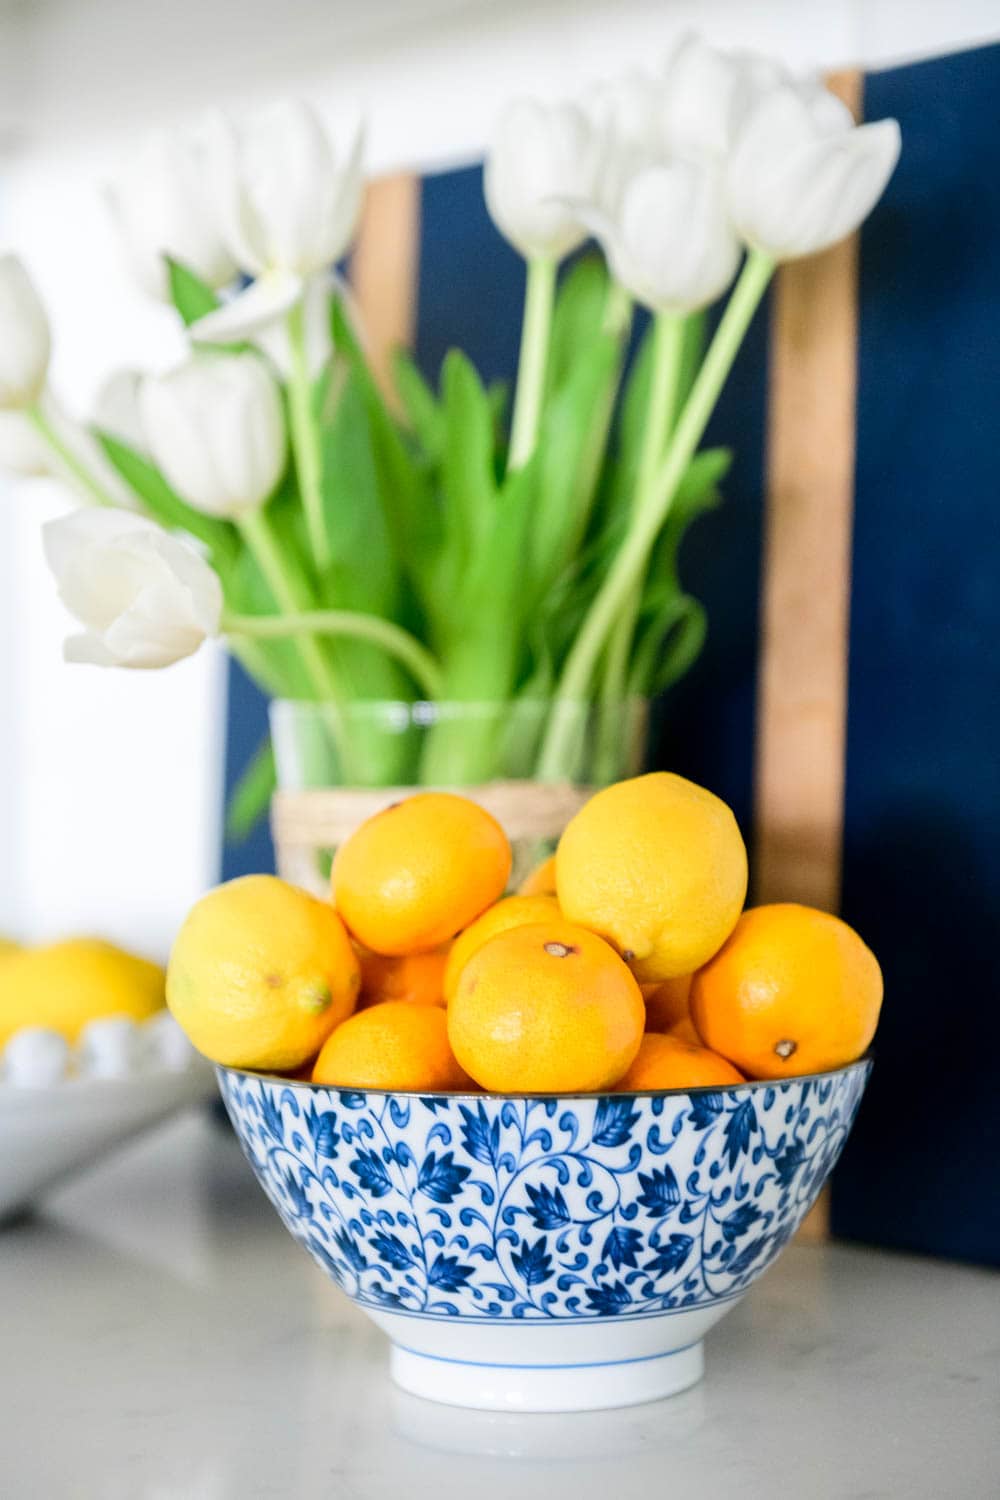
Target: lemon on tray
x,y
63,986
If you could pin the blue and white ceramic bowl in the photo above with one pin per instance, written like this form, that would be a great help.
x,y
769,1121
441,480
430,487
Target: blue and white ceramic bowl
x,y
551,1254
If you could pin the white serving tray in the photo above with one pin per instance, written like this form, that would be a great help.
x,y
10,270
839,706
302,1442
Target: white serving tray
x,y
47,1133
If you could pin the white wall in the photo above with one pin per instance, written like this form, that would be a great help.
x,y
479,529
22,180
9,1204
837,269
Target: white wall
x,y
432,73
110,783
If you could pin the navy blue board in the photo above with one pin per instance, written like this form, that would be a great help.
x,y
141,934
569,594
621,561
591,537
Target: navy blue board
x,y
247,727
922,856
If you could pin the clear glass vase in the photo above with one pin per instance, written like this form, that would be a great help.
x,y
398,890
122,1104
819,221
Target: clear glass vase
x,y
372,753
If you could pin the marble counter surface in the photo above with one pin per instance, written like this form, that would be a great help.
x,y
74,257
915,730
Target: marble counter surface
x,y
164,1339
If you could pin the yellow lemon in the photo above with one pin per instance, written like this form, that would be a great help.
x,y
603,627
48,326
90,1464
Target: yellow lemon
x,y
260,974
512,911
546,1009
64,985
657,866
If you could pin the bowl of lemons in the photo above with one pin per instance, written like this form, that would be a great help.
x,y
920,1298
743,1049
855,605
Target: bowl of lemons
x,y
88,1057
544,1139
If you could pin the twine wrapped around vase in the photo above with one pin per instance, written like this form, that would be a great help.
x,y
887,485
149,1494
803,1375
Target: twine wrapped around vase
x,y
307,825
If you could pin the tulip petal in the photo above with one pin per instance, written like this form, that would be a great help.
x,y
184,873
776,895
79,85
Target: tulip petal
x,y
543,158
25,343
802,175
196,419
671,244
262,303
144,597
88,650
160,206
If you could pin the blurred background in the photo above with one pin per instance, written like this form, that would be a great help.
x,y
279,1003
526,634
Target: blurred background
x,y
112,785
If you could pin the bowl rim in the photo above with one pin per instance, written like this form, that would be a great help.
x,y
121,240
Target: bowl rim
x,y
865,1063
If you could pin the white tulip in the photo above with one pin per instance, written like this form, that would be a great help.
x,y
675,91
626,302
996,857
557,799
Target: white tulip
x,y
699,83
274,339
703,92
287,207
215,427
801,174
671,244
161,206
116,410
545,160
25,344
144,597
626,119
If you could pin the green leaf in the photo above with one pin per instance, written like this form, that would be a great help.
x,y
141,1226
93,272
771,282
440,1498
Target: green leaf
x,y
165,506
364,574
414,519
467,477
498,392
192,297
578,317
249,798
571,451
420,404
668,646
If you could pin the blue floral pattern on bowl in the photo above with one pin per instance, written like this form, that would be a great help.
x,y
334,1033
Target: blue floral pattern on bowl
x,y
559,1208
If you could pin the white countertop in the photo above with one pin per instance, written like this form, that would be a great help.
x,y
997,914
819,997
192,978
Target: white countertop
x,y
165,1339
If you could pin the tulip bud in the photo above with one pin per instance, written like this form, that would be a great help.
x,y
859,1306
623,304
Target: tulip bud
x,y
802,175
144,597
215,427
161,207
25,344
545,160
671,244
287,207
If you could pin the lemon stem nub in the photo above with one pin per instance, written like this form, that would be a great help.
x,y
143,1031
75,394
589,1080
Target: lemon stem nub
x,y
786,1048
316,998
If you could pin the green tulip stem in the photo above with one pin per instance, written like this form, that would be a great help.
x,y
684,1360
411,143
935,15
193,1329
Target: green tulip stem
x,y
632,559
668,354
539,296
73,465
392,639
291,597
306,437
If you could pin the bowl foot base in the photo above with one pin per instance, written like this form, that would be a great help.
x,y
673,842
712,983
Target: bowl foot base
x,y
575,1387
